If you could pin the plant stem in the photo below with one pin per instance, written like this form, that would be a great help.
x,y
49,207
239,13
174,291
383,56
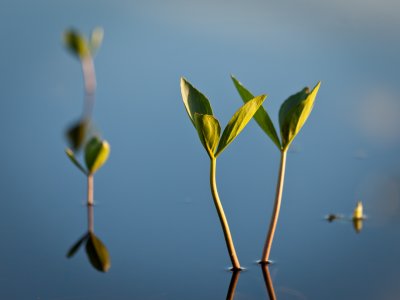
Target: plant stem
x,y
89,78
277,206
90,189
222,218
90,218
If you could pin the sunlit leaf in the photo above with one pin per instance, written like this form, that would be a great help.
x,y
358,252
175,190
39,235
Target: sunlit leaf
x,y
76,134
76,43
261,116
239,120
358,211
72,157
294,113
209,132
96,154
77,245
97,253
195,101
96,39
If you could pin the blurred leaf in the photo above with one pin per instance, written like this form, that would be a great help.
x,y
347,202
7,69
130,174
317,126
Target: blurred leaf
x,y
238,122
294,113
358,211
96,154
76,43
261,116
96,39
97,253
77,245
331,217
76,134
209,132
72,157
195,101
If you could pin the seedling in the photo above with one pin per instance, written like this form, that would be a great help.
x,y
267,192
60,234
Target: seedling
x,y
96,154
200,113
357,218
96,251
85,51
292,116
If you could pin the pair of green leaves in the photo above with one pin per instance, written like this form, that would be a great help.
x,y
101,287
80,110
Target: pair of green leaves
x,y
292,114
96,251
96,154
80,46
200,113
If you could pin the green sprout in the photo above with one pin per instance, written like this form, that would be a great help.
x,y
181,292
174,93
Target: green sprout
x,y
96,251
96,154
292,116
200,113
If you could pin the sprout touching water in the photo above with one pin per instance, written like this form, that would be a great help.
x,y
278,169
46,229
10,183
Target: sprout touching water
x,y
292,116
200,113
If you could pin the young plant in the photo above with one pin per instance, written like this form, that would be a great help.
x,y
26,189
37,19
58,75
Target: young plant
x,y
200,113
84,50
96,154
358,217
292,116
96,251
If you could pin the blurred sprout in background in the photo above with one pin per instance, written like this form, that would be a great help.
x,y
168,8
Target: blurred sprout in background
x,y
84,49
96,154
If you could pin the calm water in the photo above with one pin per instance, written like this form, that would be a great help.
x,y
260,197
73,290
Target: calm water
x,y
154,210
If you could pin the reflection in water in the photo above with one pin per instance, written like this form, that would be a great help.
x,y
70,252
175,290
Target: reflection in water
x,y
96,251
357,218
268,282
358,224
233,284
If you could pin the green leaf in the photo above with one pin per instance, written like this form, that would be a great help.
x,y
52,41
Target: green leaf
x,y
96,154
97,253
294,113
76,134
96,39
77,245
195,101
209,132
238,122
72,157
261,116
76,43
